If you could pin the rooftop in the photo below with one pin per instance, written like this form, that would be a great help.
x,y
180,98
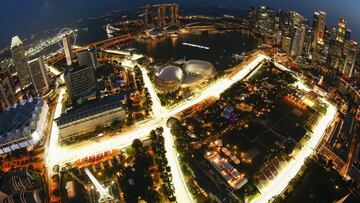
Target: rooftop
x,y
92,108
169,73
15,41
15,118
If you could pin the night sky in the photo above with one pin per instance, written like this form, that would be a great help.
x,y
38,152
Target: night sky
x,y
23,17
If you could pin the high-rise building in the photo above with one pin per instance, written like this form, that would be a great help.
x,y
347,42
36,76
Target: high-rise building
x,y
69,55
308,41
286,44
80,81
348,34
265,20
19,59
296,20
7,93
284,19
298,43
252,17
161,16
319,23
87,58
147,15
351,50
341,31
332,33
38,74
174,14
157,15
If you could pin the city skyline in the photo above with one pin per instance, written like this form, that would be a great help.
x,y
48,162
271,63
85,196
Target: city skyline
x,y
48,14
180,102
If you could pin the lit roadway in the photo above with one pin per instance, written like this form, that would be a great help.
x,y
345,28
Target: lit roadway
x,y
63,154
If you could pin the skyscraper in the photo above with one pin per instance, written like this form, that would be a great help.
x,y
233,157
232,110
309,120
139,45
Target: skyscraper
x,y
265,20
161,15
252,17
319,27
174,14
296,20
7,93
350,52
341,31
286,44
38,74
19,59
69,55
298,43
348,34
147,15
157,15
80,81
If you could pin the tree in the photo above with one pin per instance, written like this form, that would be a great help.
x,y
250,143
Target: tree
x,y
153,135
137,144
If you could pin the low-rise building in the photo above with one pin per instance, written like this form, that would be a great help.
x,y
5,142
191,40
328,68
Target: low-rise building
x,y
21,185
23,124
227,171
86,118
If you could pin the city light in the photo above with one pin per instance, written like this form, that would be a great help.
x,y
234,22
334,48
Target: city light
x,y
253,104
288,171
195,45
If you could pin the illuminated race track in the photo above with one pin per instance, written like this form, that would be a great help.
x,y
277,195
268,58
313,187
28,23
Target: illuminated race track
x,y
64,154
289,171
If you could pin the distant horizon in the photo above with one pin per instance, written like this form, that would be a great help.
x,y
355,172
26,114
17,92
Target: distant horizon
x,y
39,15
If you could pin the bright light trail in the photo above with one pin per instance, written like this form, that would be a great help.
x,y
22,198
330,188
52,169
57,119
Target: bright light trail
x,y
195,45
156,107
54,135
97,185
181,190
63,154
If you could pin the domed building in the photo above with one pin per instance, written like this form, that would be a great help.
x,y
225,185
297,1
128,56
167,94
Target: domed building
x,y
168,79
193,72
196,71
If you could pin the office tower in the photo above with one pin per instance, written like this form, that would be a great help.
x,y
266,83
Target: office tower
x,y
296,20
298,43
7,93
333,33
38,75
276,22
265,20
252,17
341,31
319,27
80,81
308,41
286,44
157,15
174,14
19,59
69,55
146,15
161,15
348,34
351,50
87,58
